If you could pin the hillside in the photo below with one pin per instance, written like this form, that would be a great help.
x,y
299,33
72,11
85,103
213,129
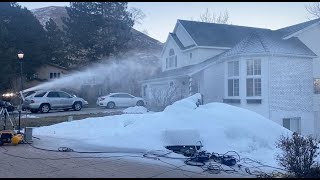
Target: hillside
x,y
140,41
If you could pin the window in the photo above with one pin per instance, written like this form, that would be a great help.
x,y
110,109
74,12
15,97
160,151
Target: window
x,y
35,75
233,78
125,96
41,94
167,63
64,95
55,75
172,60
58,75
53,94
293,124
51,75
145,90
254,67
316,85
190,55
253,82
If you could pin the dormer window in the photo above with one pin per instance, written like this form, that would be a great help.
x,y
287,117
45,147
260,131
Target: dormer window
x,y
172,61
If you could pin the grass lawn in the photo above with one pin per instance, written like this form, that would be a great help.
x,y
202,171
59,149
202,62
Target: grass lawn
x,y
47,121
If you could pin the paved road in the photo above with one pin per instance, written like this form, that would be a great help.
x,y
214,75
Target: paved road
x,y
70,112
23,161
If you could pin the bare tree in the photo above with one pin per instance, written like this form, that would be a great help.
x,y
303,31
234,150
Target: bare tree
x,y
223,18
314,9
164,96
137,15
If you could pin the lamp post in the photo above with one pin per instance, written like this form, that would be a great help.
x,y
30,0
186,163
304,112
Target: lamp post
x,y
20,57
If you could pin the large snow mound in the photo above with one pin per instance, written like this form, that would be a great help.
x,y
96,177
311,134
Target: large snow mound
x,y
135,110
220,128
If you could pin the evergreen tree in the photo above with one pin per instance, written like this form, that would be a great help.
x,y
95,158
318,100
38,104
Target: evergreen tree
x,y
20,30
56,51
97,29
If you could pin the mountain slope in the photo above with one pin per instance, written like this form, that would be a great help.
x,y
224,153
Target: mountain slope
x,y
140,41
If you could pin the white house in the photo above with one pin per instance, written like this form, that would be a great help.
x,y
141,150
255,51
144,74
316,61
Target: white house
x,y
275,73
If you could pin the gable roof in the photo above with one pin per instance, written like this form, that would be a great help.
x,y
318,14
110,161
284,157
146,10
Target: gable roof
x,y
270,42
212,34
181,46
297,27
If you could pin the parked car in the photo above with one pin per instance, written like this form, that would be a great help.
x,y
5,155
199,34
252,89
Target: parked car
x,y
119,100
44,101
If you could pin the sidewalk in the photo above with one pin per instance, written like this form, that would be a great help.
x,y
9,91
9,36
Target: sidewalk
x,y
23,161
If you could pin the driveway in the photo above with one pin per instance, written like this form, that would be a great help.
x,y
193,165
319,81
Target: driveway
x,y
24,161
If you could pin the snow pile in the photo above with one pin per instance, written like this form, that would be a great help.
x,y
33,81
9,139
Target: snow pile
x,y
135,110
220,128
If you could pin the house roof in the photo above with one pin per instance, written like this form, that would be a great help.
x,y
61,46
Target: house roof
x,y
219,35
181,46
243,40
57,66
269,42
297,27
187,70
257,42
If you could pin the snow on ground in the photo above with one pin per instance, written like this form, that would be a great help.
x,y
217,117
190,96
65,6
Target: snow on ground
x,y
220,128
135,110
28,116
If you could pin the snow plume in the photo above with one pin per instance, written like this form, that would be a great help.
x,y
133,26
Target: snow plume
x,y
114,72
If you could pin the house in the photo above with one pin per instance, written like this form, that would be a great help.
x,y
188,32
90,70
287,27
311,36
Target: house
x,y
46,73
275,73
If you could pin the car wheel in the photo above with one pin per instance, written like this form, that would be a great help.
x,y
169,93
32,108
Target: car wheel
x,y
77,106
140,103
34,110
111,105
44,108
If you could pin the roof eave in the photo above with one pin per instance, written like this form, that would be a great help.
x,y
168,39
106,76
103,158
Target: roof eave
x,y
300,31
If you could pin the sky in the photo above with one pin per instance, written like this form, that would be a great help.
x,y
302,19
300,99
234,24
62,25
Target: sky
x,y
162,16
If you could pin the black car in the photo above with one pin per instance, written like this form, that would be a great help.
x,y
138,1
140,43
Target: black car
x,y
8,105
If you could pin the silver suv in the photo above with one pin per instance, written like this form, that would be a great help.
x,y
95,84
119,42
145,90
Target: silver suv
x,y
44,101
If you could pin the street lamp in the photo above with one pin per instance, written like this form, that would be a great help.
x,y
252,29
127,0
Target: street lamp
x,y
20,57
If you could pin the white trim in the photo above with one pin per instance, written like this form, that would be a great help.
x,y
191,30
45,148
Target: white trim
x,y
165,45
301,31
205,47
163,79
215,47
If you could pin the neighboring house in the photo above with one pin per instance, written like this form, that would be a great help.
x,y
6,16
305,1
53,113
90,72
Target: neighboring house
x,y
46,73
275,73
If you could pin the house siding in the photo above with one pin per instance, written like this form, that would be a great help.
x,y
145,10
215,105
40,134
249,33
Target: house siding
x,y
291,91
213,84
311,39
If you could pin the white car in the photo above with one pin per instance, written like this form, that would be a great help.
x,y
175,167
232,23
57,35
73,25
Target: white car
x,y
113,100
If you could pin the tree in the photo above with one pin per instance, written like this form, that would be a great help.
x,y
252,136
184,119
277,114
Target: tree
x,y
56,47
137,15
314,9
97,29
212,18
20,30
164,96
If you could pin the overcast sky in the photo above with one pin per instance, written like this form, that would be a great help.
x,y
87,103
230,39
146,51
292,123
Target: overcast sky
x,y
162,16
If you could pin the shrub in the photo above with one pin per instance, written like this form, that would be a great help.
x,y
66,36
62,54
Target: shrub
x,y
298,156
